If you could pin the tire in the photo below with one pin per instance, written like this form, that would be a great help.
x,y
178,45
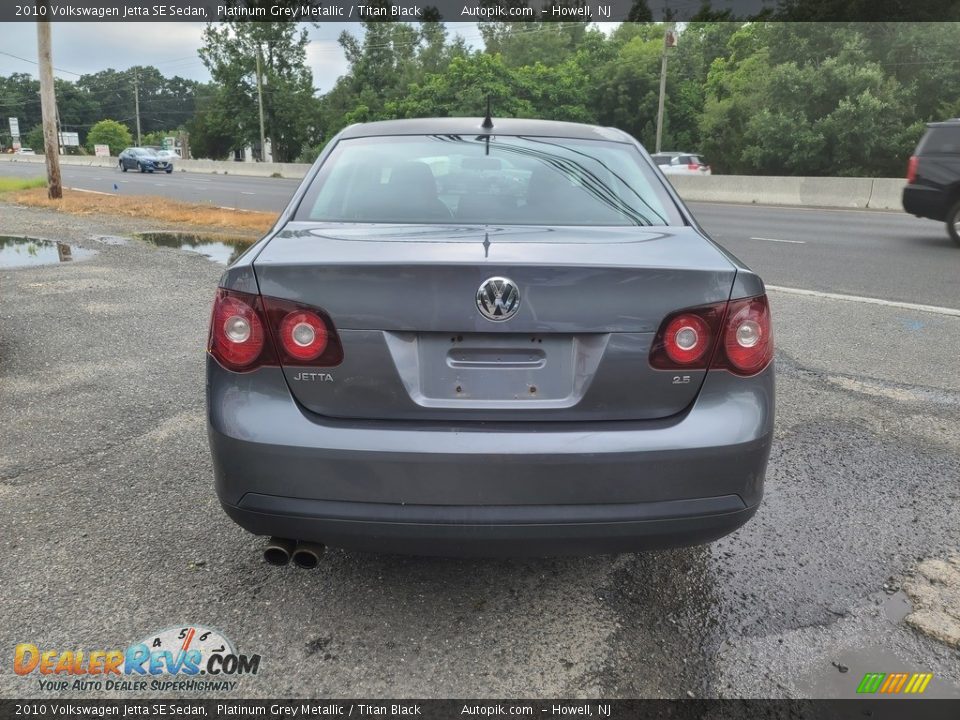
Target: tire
x,y
953,222
140,165
123,166
169,170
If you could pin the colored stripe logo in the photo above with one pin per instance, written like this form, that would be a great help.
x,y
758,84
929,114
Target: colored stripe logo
x,y
894,683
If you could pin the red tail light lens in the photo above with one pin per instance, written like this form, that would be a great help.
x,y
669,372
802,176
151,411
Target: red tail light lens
x,y
736,336
248,331
747,336
693,166
686,339
303,335
912,169
237,335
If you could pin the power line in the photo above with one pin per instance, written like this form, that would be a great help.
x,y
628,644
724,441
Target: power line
x,y
34,62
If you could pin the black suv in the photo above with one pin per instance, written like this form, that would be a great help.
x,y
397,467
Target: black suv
x,y
933,176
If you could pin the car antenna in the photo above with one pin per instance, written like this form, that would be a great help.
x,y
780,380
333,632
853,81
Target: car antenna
x,y
487,121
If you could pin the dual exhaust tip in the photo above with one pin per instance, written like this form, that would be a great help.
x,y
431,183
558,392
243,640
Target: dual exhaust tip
x,y
280,551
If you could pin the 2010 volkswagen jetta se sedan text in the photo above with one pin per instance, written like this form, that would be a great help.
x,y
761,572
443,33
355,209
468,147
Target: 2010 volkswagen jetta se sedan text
x,y
497,337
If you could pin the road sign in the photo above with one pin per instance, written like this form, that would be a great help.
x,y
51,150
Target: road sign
x,y
101,150
69,139
14,127
169,143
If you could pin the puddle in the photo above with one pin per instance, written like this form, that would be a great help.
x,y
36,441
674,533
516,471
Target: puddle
x,y
223,249
897,606
26,251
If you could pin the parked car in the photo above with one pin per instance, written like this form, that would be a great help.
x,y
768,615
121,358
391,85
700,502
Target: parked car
x,y
168,155
933,176
549,356
664,158
25,151
681,163
144,160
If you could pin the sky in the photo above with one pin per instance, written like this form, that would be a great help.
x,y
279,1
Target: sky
x,y
82,48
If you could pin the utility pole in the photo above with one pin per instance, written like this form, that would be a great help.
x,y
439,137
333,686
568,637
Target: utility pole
x,y
136,100
263,135
669,40
48,106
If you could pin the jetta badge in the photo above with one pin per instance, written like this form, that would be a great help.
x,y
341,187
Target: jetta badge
x,y
498,299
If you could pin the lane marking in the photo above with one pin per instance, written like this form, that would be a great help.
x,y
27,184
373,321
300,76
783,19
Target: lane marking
x,y
953,312
242,192
794,242
93,192
808,208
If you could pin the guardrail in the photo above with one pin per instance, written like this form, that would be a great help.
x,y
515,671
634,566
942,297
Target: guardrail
x,y
871,193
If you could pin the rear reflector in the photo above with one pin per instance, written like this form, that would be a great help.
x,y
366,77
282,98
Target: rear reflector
x,y
736,336
248,331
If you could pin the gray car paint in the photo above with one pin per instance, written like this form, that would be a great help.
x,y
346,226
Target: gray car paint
x,y
593,284
281,467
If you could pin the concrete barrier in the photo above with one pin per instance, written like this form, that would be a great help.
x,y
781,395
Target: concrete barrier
x,y
829,192
887,194
806,191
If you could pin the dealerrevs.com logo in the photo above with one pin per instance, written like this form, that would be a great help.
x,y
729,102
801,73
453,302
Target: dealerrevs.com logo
x,y
184,659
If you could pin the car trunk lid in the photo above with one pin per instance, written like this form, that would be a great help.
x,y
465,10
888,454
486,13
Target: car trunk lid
x,y
404,301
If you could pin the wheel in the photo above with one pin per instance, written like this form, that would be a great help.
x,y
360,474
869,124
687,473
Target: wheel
x,y
169,170
123,166
953,222
140,165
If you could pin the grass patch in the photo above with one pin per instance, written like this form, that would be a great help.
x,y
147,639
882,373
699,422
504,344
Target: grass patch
x,y
148,207
9,184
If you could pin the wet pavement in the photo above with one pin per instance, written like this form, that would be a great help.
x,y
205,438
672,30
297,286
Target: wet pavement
x,y
111,529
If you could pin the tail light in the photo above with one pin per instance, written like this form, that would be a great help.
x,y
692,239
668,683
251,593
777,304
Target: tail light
x,y
693,166
912,169
736,336
249,331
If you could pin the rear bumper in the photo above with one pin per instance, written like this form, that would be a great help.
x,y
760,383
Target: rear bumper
x,y
530,530
489,488
925,202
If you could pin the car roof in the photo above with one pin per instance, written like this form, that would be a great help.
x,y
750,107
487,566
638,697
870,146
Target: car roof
x,y
472,125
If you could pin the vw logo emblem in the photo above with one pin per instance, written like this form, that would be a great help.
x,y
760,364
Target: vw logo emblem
x,y
498,299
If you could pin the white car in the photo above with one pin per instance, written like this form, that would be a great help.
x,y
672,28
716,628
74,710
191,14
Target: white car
x,y
681,163
25,151
168,155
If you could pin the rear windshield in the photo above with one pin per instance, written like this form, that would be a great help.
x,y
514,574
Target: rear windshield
x,y
505,180
941,140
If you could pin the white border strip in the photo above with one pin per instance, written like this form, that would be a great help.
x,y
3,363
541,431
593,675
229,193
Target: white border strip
x,y
953,312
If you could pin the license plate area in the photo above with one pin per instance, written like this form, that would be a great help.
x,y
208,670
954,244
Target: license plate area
x,y
496,370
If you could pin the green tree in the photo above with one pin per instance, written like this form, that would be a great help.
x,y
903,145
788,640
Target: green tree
x,y
34,139
230,53
111,133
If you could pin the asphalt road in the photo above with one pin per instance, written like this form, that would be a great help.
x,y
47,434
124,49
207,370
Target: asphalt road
x,y
888,255
248,193
110,528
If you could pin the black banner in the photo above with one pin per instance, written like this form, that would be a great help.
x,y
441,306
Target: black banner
x,y
475,10
875,709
